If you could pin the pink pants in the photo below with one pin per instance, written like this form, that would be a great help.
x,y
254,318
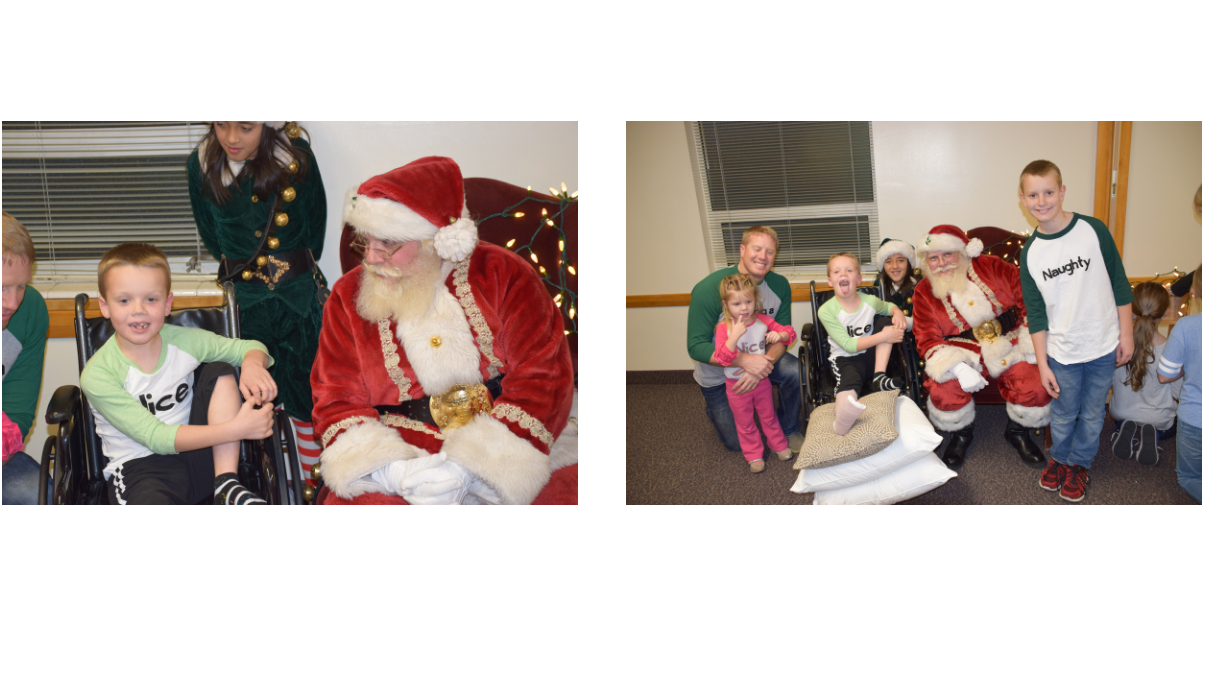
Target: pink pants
x,y
742,405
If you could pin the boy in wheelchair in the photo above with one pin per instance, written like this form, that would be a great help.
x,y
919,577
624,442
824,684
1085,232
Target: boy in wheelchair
x,y
857,323
166,442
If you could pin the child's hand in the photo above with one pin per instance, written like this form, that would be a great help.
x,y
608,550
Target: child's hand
x,y
898,320
257,383
1049,381
773,337
254,423
1125,351
737,329
892,334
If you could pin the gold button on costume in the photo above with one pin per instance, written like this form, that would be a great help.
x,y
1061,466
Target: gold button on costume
x,y
288,194
435,342
282,219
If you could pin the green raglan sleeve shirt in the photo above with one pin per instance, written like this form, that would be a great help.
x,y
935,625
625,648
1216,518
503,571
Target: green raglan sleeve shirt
x,y
22,383
781,287
704,307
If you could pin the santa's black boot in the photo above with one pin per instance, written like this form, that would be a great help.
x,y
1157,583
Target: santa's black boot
x,y
1018,436
957,447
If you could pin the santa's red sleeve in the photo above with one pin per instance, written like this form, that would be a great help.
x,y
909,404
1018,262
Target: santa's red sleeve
x,y
513,319
349,378
931,323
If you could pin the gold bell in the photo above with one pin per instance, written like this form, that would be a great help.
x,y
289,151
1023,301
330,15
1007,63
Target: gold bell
x,y
273,243
247,275
254,199
282,219
293,167
288,194
316,471
258,233
261,261
308,493
292,131
435,342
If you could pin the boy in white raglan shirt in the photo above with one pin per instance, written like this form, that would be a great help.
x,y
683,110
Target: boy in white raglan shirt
x,y
856,324
1078,302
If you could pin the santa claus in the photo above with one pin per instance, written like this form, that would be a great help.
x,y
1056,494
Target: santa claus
x,y
443,375
972,329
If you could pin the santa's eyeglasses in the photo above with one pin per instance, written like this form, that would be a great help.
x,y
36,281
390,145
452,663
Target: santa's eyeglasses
x,y
361,245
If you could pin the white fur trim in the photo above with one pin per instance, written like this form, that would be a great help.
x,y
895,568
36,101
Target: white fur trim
x,y
999,355
892,248
974,247
457,240
384,219
944,357
1024,347
950,421
359,451
940,242
456,361
972,304
503,460
1030,416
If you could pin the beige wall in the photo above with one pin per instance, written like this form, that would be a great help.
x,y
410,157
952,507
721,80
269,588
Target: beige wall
x,y
927,173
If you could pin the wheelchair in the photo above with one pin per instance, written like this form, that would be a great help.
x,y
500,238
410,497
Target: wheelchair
x,y
72,459
817,381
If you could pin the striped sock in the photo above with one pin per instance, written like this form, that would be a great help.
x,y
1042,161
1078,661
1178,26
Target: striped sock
x,y
308,450
227,490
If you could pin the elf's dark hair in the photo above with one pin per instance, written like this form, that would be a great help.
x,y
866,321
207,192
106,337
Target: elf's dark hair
x,y
908,282
262,167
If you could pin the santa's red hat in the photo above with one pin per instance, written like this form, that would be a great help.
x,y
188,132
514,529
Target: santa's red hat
x,y
421,200
949,238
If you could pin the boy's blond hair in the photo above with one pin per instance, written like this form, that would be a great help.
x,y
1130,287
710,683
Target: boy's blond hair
x,y
17,241
1040,168
845,254
737,283
760,229
139,255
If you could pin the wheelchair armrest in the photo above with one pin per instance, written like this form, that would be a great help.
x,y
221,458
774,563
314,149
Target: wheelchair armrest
x,y
808,332
62,403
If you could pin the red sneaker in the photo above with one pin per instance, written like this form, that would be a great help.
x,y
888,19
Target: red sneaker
x,y
1054,475
1075,486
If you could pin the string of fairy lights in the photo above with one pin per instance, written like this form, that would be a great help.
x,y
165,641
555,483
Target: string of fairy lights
x,y
565,298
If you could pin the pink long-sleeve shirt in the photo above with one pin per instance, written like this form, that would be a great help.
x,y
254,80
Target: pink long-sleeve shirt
x,y
752,342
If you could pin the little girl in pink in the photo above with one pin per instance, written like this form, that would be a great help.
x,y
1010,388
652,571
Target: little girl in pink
x,y
743,329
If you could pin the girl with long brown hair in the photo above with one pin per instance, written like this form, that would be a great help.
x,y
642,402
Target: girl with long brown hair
x,y
258,201
1144,409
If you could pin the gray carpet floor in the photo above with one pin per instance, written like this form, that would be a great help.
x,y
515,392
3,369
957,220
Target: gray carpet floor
x,y
674,457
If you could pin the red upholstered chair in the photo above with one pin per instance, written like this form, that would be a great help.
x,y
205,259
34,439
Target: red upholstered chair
x,y
486,200
1006,245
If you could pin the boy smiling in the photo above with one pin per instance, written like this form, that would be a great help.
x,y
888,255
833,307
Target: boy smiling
x,y
1078,303
167,443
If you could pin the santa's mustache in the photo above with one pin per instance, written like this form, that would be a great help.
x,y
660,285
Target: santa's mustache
x,y
383,270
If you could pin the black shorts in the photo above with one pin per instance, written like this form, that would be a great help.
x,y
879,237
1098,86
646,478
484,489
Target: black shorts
x,y
854,373
183,478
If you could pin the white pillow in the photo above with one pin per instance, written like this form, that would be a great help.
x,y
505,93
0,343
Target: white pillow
x,y
917,478
917,438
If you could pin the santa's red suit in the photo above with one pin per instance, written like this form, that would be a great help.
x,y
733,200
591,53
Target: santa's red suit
x,y
1009,361
490,318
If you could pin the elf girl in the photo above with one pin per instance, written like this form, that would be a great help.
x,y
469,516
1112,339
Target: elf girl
x,y
1144,409
743,329
258,202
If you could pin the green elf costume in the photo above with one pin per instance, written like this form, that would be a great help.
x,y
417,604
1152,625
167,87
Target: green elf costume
x,y
276,279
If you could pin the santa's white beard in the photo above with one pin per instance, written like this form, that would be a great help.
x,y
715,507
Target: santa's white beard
x,y
398,295
952,281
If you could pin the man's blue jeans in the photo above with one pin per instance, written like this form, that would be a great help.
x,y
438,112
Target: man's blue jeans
x,y
786,376
1189,460
21,480
1078,410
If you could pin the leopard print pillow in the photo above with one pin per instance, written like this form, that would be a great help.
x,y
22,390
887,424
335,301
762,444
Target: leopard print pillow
x,y
874,430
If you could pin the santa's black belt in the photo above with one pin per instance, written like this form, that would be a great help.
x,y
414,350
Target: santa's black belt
x,y
990,330
418,409
277,268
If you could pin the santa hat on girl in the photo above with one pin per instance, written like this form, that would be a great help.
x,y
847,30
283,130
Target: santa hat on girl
x,y
950,238
891,247
421,200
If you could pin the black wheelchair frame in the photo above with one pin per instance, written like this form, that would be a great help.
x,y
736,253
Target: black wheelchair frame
x,y
813,356
72,459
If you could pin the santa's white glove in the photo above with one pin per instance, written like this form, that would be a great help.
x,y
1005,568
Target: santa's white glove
x,y
480,493
426,480
970,380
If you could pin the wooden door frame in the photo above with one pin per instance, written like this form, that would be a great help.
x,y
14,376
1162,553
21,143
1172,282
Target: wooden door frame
x,y
1111,144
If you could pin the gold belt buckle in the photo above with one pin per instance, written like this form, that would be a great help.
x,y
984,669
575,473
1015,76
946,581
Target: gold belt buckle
x,y
988,331
457,407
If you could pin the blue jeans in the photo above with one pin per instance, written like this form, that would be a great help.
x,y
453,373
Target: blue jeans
x,y
1078,410
1189,460
21,479
786,376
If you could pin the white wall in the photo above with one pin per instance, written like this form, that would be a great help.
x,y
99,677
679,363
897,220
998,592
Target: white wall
x,y
1165,171
535,154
